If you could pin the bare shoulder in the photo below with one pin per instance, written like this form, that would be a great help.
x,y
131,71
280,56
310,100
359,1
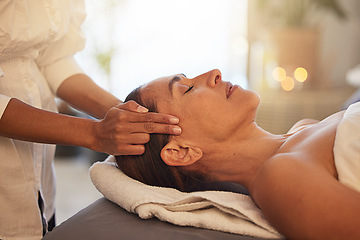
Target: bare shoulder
x,y
301,124
336,117
305,202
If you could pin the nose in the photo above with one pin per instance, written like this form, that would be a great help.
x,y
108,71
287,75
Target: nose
x,y
211,78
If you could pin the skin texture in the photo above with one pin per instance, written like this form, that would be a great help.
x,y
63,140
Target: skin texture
x,y
291,177
121,128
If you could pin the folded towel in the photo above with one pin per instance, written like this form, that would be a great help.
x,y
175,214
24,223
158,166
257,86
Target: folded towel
x,y
347,148
216,210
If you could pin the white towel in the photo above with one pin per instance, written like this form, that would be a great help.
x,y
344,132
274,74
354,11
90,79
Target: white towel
x,y
216,210
347,148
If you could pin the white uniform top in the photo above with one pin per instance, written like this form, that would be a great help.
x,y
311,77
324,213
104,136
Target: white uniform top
x,y
38,39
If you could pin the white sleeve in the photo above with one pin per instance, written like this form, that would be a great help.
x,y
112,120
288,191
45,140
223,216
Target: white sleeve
x,y
57,61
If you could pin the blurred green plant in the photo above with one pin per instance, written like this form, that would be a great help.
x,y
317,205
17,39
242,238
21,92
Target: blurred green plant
x,y
103,59
103,46
298,13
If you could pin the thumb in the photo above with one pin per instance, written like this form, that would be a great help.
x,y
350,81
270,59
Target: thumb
x,y
133,106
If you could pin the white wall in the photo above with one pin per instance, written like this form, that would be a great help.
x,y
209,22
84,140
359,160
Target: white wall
x,y
154,38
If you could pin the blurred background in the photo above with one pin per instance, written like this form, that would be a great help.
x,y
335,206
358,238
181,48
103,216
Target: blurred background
x,y
301,56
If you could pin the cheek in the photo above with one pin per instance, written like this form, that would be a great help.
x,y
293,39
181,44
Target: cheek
x,y
195,120
206,123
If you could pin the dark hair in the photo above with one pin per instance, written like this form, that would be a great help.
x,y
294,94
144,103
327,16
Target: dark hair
x,y
149,168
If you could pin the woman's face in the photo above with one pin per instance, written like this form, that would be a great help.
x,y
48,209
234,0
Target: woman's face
x,y
209,109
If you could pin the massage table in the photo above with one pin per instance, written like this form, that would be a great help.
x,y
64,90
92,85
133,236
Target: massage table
x,y
104,219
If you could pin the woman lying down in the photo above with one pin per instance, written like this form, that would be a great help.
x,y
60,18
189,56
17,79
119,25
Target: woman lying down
x,y
292,178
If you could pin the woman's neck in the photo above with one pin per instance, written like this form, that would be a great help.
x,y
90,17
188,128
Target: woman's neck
x,y
239,158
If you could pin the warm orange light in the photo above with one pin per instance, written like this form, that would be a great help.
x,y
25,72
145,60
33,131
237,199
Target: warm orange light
x,y
279,74
301,74
287,84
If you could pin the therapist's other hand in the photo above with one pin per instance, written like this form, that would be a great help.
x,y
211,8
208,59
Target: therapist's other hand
x,y
127,127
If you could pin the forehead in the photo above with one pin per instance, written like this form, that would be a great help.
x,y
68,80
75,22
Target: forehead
x,y
156,88
158,82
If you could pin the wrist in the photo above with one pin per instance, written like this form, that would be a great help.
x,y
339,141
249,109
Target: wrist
x,y
93,142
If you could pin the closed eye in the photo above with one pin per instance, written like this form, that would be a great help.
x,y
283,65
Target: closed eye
x,y
189,89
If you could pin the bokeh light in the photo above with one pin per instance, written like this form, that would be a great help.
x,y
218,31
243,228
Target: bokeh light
x,y
288,84
279,74
301,74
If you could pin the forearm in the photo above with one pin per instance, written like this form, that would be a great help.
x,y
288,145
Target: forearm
x,y
24,122
83,94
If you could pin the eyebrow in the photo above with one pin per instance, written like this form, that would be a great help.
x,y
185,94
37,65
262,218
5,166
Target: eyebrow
x,y
173,81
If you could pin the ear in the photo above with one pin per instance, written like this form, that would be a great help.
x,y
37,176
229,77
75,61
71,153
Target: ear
x,y
176,154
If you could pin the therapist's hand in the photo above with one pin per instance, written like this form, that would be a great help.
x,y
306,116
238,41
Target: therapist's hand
x,y
127,127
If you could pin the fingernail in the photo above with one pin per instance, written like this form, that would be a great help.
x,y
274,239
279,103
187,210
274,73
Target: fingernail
x,y
142,109
174,120
177,130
